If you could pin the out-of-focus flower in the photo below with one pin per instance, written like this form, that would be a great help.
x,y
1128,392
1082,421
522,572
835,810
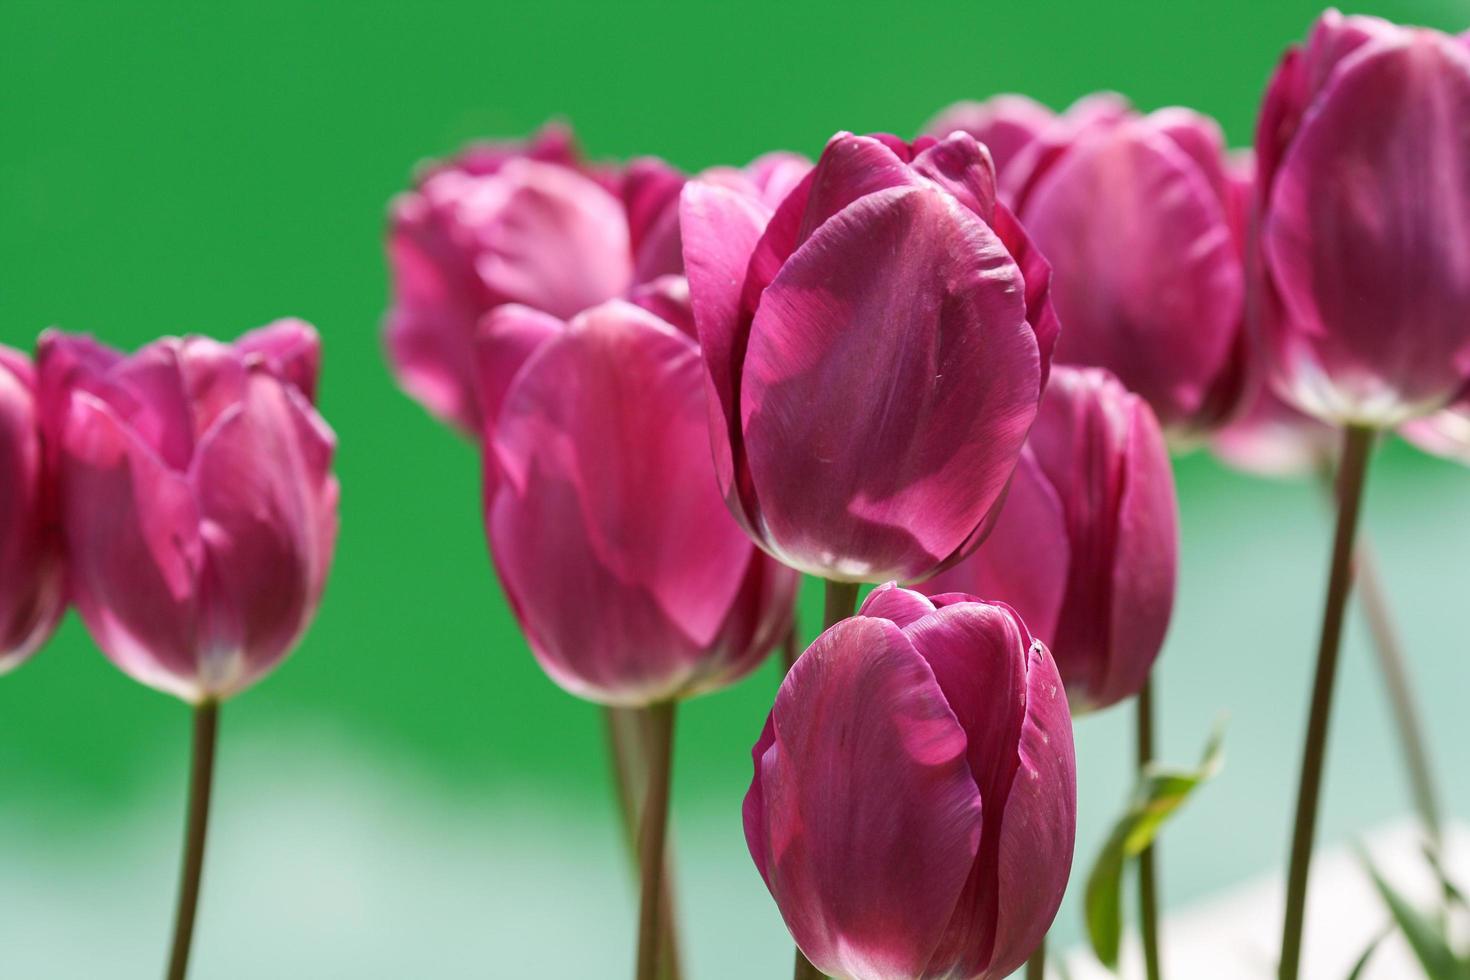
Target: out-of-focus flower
x,y
1445,433
631,580
197,498
875,347
1364,193
1142,219
32,596
913,809
1086,549
1006,124
1272,439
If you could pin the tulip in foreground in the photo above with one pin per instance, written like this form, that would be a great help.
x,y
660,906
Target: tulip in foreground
x,y
32,597
914,802
1005,124
875,346
1086,549
200,513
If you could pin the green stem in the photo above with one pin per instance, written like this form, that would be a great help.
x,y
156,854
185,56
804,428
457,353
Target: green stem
x,y
791,646
1148,898
201,779
1036,965
660,733
1352,475
839,601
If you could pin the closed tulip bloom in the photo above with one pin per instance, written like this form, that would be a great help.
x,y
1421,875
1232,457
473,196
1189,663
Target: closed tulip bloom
x,y
1086,549
1365,221
875,349
1141,218
630,579
1006,124
32,597
199,506
913,809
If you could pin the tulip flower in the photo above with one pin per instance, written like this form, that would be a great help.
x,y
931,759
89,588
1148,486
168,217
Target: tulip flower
x,y
32,596
198,501
1141,218
913,808
1445,433
875,349
1006,124
1365,221
1086,548
632,583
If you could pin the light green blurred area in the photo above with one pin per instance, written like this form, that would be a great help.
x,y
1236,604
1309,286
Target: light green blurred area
x,y
173,167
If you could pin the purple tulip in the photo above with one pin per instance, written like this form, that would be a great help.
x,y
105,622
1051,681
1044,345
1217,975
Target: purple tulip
x,y
197,497
875,346
914,802
1086,548
1364,193
32,596
629,577
1142,219
1006,124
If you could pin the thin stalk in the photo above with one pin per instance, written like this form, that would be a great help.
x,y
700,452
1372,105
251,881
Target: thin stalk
x,y
660,733
1036,965
839,601
791,646
625,739
201,779
1148,897
1352,475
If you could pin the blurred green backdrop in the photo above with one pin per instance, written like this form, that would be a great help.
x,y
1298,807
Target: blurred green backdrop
x,y
173,167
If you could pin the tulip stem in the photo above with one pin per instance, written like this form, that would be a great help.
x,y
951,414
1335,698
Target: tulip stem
x,y
1148,898
201,779
1036,965
625,743
1351,477
660,743
791,646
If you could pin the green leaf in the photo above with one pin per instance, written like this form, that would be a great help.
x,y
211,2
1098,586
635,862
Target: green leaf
x,y
1362,963
1430,945
1160,791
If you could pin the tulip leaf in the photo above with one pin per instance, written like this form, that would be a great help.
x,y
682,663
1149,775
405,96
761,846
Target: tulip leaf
x,y
1161,790
1429,943
1362,963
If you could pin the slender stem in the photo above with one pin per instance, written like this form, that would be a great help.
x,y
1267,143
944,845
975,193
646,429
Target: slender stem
x,y
839,601
1394,667
1036,965
791,646
1148,898
1352,474
201,778
660,733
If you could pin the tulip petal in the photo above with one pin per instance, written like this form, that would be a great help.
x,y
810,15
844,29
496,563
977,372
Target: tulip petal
x,y
1367,236
897,605
506,339
964,168
1036,271
1006,124
291,349
667,297
871,816
1146,277
927,364
651,197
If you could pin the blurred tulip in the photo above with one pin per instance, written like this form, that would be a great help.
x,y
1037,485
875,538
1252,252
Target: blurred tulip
x,y
1141,218
1364,193
865,815
1272,439
1006,124
875,347
631,581
1445,433
1086,549
32,596
198,502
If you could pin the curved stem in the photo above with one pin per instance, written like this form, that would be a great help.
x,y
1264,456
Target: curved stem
x,y
839,601
201,778
1148,900
1036,965
660,734
1352,474
791,646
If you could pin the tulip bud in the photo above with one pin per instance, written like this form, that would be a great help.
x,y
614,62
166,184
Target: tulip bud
x,y
199,507
1142,221
865,815
1006,124
1086,549
1364,191
631,581
875,348
32,597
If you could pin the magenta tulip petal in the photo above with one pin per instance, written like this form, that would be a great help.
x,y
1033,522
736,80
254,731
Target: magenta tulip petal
x,y
1036,271
1040,819
290,349
651,197
947,414
508,336
964,168
1445,433
1147,279
1006,124
899,606
1368,236
667,297
866,890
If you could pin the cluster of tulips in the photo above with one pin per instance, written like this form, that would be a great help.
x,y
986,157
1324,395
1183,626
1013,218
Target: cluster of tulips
x,y
953,367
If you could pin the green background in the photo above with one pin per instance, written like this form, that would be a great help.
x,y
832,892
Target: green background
x,y
182,167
